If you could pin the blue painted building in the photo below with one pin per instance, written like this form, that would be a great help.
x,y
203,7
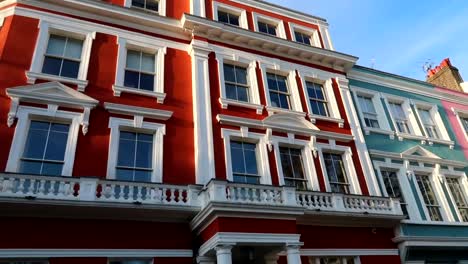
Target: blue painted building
x,y
417,159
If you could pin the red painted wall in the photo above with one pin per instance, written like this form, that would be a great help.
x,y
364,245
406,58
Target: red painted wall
x,y
330,237
93,234
17,40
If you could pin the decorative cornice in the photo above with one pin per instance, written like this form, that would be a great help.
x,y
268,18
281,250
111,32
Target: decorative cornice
x,y
394,155
111,253
138,111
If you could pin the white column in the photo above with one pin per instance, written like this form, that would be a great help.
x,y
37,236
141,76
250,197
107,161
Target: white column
x,y
224,254
204,155
366,163
293,254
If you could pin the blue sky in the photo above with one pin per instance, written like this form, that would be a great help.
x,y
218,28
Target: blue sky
x,y
396,36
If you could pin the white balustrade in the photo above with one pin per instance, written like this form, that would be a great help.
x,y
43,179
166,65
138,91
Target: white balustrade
x,y
313,200
31,186
140,192
376,205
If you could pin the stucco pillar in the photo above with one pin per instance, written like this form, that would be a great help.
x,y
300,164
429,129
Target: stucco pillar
x,y
224,254
204,155
292,254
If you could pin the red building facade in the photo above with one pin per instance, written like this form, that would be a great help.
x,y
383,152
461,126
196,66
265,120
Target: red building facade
x,y
181,131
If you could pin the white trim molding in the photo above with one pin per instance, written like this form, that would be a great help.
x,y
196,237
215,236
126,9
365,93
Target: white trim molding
x,y
161,7
263,165
461,114
136,125
147,45
231,57
25,115
156,114
312,32
47,28
278,23
110,253
217,6
443,136
53,94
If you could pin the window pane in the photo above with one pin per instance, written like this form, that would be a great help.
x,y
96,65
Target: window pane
x,y
237,160
287,166
70,69
233,20
282,84
274,99
131,79
262,27
56,45
241,75
223,17
142,176
133,59
272,84
124,174
229,73
56,146
147,62
250,160
146,82
36,142
152,5
242,94
126,155
30,167
144,155
297,167
52,65
73,48
138,3
231,92
284,101
53,169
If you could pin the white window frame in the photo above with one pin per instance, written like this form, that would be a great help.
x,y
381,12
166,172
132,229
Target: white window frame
x,y
411,205
381,116
346,154
444,137
233,58
243,135
415,131
161,8
313,33
25,115
307,149
145,45
462,180
290,74
45,30
332,105
280,31
136,125
461,114
217,6
434,179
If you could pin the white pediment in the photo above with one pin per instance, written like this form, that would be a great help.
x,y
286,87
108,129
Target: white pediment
x,y
289,122
418,151
52,93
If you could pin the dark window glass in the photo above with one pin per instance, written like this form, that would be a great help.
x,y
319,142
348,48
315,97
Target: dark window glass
x,y
266,28
399,115
464,121
278,89
428,123
152,5
44,151
293,168
139,70
235,79
135,157
317,99
244,162
336,173
430,200
392,185
458,197
228,18
368,111
63,56
302,38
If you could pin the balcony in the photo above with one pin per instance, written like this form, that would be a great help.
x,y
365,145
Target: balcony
x,y
217,195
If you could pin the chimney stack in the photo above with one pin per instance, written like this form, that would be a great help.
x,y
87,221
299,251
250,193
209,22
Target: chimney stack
x,y
446,75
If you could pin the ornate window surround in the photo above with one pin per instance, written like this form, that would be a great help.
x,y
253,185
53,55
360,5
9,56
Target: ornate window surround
x,y
161,9
280,31
437,119
312,32
233,10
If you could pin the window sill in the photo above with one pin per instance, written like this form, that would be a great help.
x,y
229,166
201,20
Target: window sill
x,y
449,143
425,140
276,110
402,136
33,76
339,121
439,223
369,130
226,102
119,89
